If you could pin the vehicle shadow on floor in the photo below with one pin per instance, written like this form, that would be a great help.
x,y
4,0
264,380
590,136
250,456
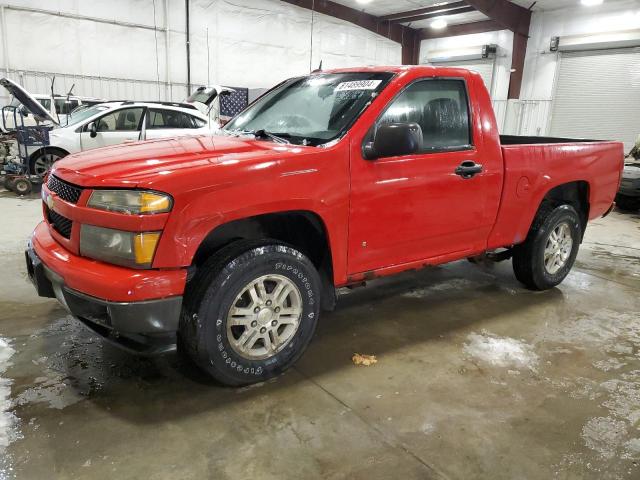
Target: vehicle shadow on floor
x,y
389,315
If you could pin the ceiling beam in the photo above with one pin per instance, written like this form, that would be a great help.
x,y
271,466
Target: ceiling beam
x,y
405,36
411,47
518,55
421,11
517,19
462,29
511,16
426,16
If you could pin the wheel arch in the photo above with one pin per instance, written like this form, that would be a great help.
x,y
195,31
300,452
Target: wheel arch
x,y
34,155
303,229
575,193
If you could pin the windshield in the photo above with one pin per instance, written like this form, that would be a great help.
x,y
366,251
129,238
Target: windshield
x,y
78,115
311,110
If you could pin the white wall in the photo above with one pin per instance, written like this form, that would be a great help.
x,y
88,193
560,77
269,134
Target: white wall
x,y
499,89
504,40
541,65
112,52
530,115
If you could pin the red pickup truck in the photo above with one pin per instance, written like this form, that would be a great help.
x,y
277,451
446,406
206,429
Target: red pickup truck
x,y
230,245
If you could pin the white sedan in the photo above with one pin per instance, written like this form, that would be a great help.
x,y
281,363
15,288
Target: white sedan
x,y
113,123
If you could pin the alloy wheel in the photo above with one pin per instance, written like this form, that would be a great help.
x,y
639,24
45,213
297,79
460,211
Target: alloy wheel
x,y
264,317
558,248
44,162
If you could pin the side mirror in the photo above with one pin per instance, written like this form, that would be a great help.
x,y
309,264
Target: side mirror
x,y
93,129
393,139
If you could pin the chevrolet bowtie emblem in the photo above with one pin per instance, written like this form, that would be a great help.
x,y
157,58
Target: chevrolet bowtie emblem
x,y
49,202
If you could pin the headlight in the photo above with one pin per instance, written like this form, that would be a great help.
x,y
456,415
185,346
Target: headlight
x,y
129,249
132,202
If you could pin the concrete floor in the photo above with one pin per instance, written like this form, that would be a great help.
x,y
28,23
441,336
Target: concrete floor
x,y
476,378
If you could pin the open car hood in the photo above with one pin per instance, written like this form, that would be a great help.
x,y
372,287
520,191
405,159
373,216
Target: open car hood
x,y
30,103
203,97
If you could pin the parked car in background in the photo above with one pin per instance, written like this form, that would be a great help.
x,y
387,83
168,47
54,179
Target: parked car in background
x,y
208,100
63,107
231,244
113,123
628,197
110,123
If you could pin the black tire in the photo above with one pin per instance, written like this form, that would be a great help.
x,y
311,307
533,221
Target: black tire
x,y
47,156
9,184
624,202
528,257
214,289
22,186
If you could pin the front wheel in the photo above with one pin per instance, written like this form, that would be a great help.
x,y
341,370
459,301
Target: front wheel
x,y
250,312
547,255
42,162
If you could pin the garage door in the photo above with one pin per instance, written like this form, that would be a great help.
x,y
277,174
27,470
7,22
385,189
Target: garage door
x,y
598,95
483,67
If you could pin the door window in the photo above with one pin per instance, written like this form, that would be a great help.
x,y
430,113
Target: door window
x,y
124,120
161,118
441,109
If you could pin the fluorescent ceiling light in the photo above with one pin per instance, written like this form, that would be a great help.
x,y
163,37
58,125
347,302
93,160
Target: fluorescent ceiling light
x,y
591,3
364,1
439,24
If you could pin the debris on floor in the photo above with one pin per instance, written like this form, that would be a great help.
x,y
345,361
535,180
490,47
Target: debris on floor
x,y
365,360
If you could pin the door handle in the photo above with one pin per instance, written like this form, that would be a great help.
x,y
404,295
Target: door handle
x,y
468,169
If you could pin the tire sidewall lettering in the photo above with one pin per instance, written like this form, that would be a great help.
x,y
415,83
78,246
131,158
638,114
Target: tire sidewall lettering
x,y
297,273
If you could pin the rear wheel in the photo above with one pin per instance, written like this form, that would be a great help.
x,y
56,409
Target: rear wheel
x,y
42,162
547,255
624,202
250,312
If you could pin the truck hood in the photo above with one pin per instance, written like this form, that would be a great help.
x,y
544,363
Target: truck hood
x,y
130,165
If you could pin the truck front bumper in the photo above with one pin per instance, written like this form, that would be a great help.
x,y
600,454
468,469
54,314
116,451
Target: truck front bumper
x,y
144,327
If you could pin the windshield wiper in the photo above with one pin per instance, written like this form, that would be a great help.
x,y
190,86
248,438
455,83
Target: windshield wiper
x,y
276,137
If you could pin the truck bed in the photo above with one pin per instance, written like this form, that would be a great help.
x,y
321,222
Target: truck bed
x,y
526,140
535,165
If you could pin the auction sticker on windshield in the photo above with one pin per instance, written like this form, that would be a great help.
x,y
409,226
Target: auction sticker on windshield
x,y
358,85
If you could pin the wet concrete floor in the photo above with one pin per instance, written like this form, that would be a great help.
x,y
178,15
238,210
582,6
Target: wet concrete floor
x,y
476,378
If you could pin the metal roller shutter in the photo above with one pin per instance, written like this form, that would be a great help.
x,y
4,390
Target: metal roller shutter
x,y
598,95
483,67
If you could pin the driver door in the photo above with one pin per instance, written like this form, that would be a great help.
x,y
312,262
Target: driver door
x,y
416,207
113,128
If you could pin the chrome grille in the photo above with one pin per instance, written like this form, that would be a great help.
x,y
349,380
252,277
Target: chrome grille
x,y
60,224
66,191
